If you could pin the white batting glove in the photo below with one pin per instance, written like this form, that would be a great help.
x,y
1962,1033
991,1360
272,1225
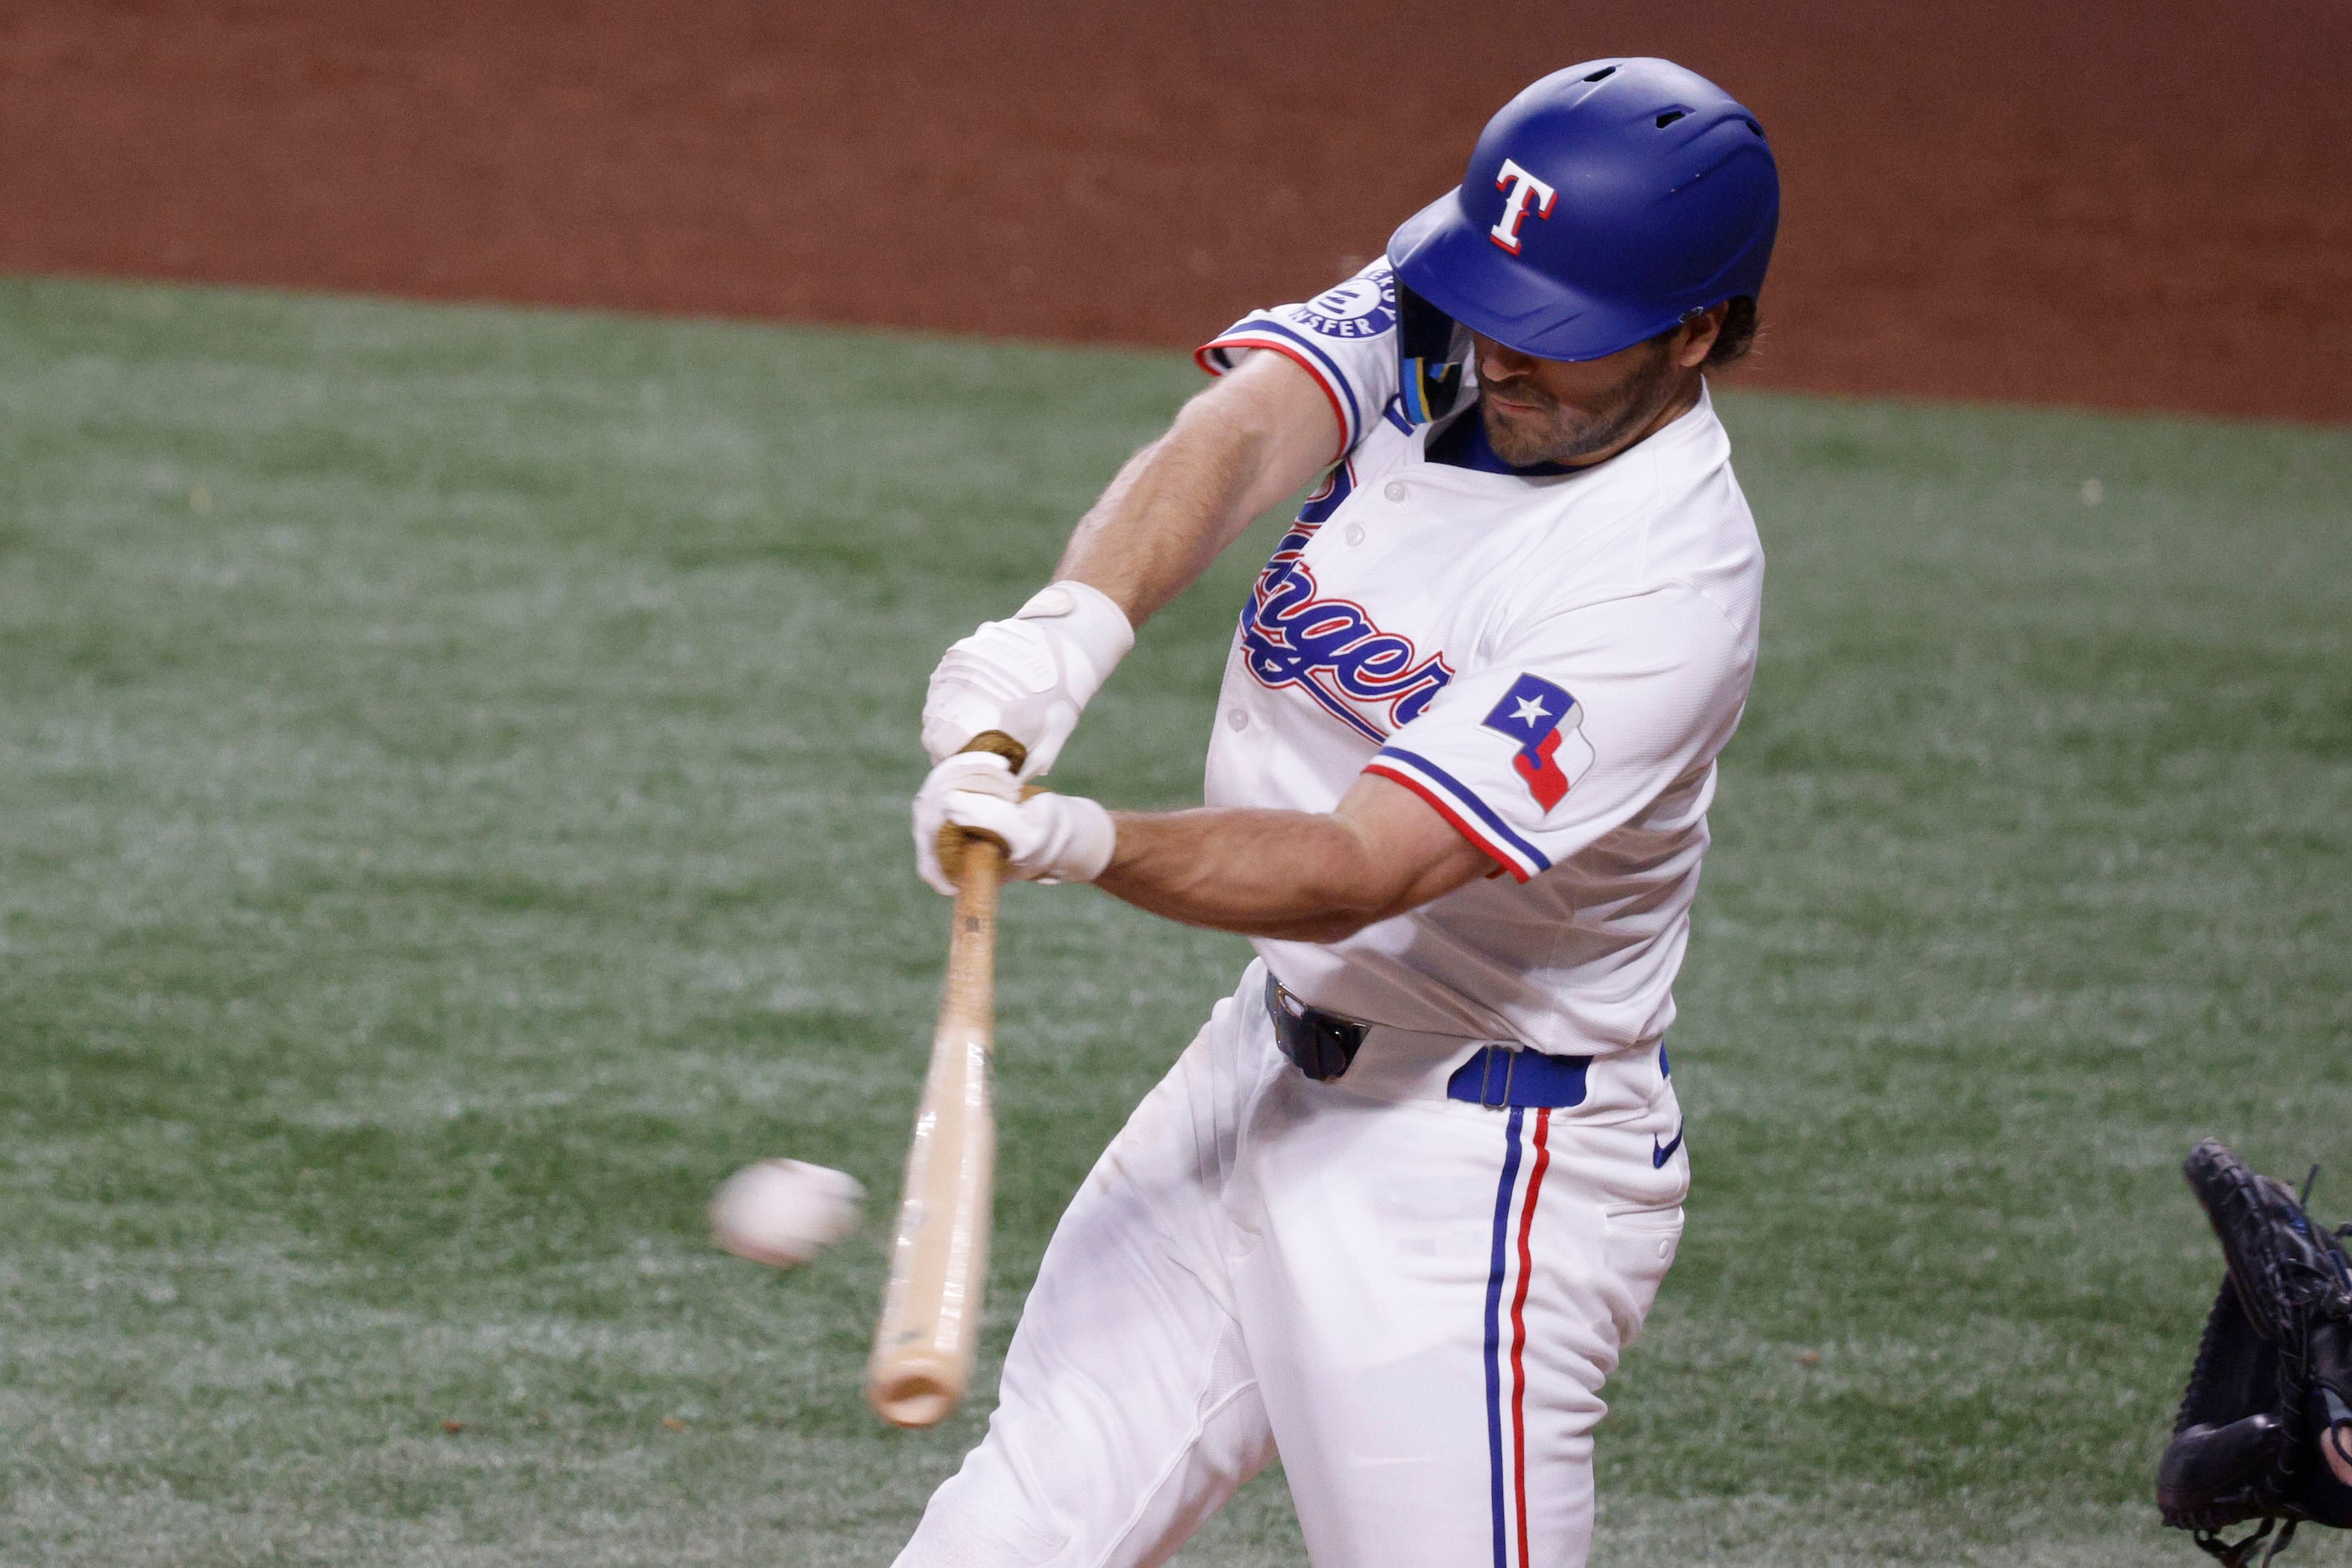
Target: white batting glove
x,y
1048,838
1028,677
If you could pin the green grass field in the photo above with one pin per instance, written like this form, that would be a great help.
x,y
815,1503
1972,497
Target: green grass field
x,y
452,769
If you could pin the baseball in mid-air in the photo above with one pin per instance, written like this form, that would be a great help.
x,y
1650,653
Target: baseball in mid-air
x,y
782,1213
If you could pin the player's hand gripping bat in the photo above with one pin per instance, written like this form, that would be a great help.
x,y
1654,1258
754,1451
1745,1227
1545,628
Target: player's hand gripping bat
x,y
939,1250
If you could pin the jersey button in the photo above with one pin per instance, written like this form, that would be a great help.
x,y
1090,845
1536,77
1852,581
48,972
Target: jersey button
x,y
1394,490
1236,720
1355,534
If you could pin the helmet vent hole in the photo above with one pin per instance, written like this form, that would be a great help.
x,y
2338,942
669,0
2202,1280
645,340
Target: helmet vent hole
x,y
1669,116
1604,71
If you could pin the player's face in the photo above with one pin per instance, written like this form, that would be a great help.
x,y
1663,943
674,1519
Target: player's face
x,y
1579,411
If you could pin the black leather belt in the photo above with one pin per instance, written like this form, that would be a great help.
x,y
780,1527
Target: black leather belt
x,y
1323,1046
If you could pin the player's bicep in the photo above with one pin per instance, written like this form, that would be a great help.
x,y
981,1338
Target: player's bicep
x,y
1410,854
1289,419
1344,341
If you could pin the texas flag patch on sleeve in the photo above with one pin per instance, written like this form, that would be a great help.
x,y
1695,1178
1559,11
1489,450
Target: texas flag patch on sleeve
x,y
1547,724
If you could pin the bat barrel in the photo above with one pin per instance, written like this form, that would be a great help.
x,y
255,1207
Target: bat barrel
x,y
930,1329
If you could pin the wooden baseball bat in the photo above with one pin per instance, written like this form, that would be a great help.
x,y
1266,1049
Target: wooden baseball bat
x,y
923,1346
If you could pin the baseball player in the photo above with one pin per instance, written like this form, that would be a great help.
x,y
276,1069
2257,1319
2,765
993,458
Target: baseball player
x,y
1407,1196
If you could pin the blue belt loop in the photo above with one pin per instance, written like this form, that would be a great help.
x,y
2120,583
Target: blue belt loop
x,y
1486,1069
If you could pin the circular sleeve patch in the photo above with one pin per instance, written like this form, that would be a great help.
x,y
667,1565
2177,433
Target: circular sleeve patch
x,y
1363,307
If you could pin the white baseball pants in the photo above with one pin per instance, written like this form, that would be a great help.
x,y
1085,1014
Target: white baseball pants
x,y
1413,1299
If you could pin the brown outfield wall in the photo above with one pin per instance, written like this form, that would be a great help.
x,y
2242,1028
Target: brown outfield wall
x,y
2142,205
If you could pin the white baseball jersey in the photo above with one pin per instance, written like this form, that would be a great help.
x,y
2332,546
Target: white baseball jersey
x,y
1552,662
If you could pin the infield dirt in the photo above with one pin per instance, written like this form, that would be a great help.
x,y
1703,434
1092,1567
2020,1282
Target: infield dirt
x,y
2134,206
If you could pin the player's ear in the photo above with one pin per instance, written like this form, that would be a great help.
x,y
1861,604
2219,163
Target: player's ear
x,y
1695,337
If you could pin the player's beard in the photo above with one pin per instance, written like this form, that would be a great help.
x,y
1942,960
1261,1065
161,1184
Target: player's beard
x,y
1558,432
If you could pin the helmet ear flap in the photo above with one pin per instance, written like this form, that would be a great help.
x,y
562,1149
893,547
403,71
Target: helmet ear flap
x,y
1433,351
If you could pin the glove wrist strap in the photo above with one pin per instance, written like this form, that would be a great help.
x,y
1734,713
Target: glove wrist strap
x,y
1086,619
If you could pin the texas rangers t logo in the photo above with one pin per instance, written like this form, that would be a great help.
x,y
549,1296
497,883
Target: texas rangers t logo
x,y
1522,192
1539,716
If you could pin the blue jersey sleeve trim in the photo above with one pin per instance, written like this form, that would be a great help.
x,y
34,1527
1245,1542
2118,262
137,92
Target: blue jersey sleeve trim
x,y
1330,365
1469,802
1216,362
1237,336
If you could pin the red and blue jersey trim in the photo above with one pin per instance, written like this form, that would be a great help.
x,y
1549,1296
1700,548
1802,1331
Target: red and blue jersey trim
x,y
1261,333
1454,801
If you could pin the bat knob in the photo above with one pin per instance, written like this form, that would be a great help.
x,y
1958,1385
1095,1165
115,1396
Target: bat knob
x,y
954,843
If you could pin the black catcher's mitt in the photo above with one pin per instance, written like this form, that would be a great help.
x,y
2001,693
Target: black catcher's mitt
x,y
2273,1375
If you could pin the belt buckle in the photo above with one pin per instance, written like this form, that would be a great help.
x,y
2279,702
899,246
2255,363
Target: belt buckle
x,y
1486,1074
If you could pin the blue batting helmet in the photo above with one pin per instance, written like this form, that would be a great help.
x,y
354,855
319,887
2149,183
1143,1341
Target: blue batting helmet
x,y
1605,204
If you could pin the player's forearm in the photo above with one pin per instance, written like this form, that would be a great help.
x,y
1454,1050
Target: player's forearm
x,y
1292,874
1172,508
1234,451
